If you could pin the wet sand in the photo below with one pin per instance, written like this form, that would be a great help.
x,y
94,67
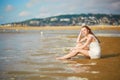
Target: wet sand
x,y
31,56
108,65
106,68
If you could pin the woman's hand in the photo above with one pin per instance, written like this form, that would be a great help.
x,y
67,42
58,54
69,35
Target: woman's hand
x,y
79,37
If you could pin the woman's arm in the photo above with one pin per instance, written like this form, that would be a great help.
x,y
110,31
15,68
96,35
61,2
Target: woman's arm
x,y
89,39
83,39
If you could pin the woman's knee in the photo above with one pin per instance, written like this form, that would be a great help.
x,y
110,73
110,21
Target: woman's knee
x,y
76,52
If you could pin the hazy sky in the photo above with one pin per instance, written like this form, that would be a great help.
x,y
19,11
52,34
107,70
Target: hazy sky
x,y
19,10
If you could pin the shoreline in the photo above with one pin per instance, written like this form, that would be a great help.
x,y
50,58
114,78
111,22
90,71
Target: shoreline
x,y
58,28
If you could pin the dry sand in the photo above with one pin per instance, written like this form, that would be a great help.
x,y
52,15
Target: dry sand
x,y
60,28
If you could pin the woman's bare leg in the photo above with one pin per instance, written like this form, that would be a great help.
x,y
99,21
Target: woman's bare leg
x,y
71,54
84,52
74,53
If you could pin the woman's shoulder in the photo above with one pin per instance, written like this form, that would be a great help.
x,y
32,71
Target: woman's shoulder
x,y
90,35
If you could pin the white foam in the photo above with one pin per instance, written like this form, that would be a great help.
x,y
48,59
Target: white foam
x,y
94,72
86,64
76,78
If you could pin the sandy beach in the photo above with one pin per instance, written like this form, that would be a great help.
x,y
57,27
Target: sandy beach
x,y
99,27
31,55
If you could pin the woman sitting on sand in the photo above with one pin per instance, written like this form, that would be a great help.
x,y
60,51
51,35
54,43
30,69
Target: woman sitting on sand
x,y
87,45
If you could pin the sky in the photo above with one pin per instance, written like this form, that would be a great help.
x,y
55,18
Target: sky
x,y
20,10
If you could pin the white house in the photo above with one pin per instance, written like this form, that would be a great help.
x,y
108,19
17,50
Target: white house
x,y
53,19
65,19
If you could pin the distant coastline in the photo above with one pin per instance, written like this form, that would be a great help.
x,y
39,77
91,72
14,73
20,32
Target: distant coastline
x,y
70,20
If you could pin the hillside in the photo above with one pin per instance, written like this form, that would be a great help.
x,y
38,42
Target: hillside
x,y
72,19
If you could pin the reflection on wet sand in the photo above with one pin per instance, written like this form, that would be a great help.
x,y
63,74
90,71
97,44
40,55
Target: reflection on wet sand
x,y
79,67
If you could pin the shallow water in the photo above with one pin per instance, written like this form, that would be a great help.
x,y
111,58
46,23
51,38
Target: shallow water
x,y
31,56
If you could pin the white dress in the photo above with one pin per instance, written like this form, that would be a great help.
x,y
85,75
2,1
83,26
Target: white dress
x,y
94,49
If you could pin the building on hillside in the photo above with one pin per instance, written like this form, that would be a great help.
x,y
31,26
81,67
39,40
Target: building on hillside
x,y
34,23
53,19
65,19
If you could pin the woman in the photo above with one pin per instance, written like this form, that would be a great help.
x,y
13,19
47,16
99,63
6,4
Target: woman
x,y
87,45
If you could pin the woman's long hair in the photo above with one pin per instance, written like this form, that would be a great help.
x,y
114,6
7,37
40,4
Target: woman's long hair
x,y
90,31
